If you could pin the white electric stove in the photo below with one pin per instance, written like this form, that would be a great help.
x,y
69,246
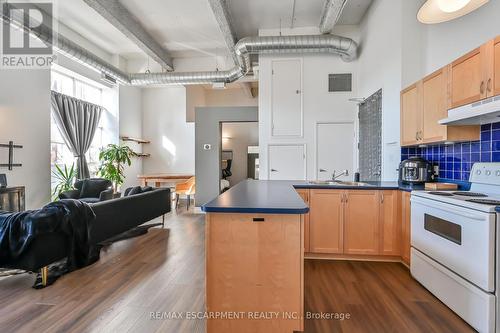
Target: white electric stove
x,y
454,246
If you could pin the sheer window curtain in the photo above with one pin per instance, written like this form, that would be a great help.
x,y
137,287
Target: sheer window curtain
x,y
77,121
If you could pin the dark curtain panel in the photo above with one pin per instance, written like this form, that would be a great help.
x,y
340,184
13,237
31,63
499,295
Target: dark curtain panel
x,y
370,138
77,120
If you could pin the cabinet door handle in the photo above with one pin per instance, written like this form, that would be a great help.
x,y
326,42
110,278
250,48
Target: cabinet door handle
x,y
259,219
322,170
346,198
489,85
297,92
481,88
274,170
382,198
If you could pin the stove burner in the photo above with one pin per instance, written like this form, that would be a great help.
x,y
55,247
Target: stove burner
x,y
471,194
485,202
443,194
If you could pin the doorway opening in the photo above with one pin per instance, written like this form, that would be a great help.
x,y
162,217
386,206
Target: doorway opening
x,y
239,156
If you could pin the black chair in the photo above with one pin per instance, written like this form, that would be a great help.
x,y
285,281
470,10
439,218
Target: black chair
x,y
90,190
227,171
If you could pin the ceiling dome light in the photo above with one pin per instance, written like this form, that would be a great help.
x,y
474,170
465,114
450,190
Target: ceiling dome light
x,y
450,6
438,11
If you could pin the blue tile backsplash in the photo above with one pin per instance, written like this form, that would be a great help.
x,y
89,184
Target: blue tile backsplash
x,y
455,161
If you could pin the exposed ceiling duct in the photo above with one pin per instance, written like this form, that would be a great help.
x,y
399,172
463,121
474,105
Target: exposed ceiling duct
x,y
346,48
116,14
331,14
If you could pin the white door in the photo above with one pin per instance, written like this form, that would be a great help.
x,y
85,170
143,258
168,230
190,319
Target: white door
x,y
335,150
287,162
286,95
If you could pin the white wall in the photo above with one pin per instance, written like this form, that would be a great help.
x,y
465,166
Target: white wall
x,y
379,67
25,119
164,123
229,97
319,105
237,137
131,125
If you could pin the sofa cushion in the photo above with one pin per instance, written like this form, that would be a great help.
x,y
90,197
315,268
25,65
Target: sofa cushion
x,y
90,200
135,190
147,189
92,188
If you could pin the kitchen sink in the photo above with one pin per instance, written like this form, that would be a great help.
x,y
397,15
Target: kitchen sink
x,y
338,183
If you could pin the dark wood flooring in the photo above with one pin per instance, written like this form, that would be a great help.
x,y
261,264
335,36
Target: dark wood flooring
x,y
163,271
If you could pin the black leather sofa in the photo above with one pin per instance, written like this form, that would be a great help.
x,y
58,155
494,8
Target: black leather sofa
x,y
113,217
90,190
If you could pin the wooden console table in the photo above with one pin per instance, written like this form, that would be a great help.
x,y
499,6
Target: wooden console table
x,y
163,178
12,199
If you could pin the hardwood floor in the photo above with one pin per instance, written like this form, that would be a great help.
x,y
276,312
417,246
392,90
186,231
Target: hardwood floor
x,y
379,297
163,272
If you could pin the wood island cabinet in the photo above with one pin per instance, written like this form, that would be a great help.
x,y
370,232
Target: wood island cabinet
x,y
304,194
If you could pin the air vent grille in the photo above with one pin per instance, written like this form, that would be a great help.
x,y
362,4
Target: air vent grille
x,y
339,82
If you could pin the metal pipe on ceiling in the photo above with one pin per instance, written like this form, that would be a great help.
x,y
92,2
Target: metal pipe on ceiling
x,y
346,48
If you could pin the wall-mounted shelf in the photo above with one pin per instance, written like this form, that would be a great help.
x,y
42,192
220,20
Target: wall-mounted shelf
x,y
142,154
11,147
137,140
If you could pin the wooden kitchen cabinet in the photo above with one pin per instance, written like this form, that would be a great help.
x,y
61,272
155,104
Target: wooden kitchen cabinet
x,y
411,114
390,223
434,108
361,222
304,194
496,66
326,218
406,227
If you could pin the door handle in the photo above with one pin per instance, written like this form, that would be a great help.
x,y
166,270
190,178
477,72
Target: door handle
x,y
322,170
259,219
489,85
297,92
381,198
481,88
274,170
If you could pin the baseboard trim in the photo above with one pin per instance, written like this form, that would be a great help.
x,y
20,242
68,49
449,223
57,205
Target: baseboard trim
x,y
316,256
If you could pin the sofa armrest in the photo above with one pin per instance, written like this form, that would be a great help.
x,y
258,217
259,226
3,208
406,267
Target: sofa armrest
x,y
71,194
106,195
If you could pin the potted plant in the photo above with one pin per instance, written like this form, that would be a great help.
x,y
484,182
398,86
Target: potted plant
x,y
65,178
113,159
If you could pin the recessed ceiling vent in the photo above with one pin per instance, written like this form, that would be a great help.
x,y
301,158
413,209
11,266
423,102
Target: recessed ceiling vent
x,y
339,82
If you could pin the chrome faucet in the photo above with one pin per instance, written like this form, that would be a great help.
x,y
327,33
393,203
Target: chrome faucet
x,y
344,173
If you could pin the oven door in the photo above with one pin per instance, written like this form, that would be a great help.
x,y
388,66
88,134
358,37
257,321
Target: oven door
x,y
461,239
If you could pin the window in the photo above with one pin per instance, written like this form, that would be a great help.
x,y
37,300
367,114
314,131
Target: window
x,y
72,86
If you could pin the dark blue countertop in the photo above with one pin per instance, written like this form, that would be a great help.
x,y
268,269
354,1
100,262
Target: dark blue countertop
x,y
259,196
280,197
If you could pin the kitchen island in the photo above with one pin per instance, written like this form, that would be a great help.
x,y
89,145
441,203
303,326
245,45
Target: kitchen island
x,y
255,259
258,233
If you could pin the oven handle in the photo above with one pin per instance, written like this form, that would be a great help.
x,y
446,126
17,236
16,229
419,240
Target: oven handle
x,y
439,206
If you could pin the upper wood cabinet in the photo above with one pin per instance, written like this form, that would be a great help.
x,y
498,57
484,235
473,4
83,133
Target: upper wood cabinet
x,y
390,223
361,223
304,194
326,217
496,66
411,114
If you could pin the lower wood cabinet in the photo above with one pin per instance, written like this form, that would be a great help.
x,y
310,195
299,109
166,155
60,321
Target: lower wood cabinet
x,y
326,221
355,222
361,222
406,227
390,223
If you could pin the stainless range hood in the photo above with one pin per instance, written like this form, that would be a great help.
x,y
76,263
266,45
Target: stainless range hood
x,y
478,113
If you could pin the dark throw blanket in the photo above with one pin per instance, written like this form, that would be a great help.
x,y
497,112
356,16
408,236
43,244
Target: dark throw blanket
x,y
70,217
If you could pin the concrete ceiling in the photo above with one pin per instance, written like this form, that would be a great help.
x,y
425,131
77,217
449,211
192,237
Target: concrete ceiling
x,y
188,28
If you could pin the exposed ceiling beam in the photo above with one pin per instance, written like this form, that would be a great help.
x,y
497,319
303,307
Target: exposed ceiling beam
x,y
119,16
331,14
221,13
